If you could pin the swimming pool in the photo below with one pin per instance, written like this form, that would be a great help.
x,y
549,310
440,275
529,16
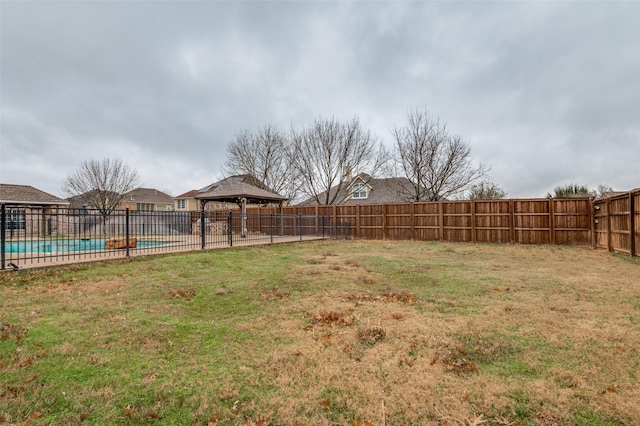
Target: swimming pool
x,y
62,246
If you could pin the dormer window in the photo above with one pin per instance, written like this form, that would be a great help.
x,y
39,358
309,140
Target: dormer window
x,y
359,191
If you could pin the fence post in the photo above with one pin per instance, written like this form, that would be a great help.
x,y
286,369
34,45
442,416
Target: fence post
x,y
592,218
126,230
413,222
3,227
632,223
300,225
203,234
552,221
322,226
609,240
473,221
230,229
384,222
512,221
271,226
441,220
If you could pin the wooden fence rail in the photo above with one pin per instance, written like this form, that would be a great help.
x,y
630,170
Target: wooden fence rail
x,y
524,221
612,223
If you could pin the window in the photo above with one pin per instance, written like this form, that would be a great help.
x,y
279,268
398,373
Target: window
x,y
141,207
359,191
15,219
182,204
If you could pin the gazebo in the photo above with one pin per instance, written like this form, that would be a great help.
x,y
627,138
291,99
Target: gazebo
x,y
242,190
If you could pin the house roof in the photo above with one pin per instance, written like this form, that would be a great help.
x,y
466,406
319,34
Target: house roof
x,y
25,195
232,180
614,194
236,187
384,190
147,195
188,194
86,199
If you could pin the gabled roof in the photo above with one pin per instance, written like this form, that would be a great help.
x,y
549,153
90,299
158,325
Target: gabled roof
x,y
25,195
384,190
614,194
233,180
236,187
84,200
147,195
188,194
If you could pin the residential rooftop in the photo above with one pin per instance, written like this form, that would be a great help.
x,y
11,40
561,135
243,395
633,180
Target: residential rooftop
x,y
26,194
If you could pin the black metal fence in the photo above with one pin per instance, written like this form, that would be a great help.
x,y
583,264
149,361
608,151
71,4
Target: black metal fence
x,y
32,236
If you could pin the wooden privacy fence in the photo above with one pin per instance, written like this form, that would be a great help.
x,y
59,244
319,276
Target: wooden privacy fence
x,y
617,223
525,221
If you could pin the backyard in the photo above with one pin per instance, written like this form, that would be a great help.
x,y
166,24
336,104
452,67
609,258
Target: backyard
x,y
328,332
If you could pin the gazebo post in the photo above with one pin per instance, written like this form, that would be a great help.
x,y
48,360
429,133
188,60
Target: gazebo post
x,y
243,207
281,218
203,234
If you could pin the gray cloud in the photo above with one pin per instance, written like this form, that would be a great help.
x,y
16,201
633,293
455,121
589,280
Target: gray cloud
x,y
546,93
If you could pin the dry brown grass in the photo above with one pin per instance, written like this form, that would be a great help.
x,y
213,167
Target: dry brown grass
x,y
360,333
499,335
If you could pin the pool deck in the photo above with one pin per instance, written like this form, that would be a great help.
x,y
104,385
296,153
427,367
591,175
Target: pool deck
x,y
70,258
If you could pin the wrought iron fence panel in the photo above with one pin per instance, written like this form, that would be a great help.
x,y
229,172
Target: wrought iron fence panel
x,y
40,236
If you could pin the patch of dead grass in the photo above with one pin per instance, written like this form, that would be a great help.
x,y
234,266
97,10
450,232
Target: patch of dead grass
x,y
465,354
274,294
181,293
13,332
371,334
404,298
333,318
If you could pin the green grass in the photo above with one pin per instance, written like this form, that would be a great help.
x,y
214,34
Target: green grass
x,y
227,337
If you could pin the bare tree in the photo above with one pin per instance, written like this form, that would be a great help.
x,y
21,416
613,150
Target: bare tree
x,y
328,152
486,190
267,156
603,191
437,165
101,184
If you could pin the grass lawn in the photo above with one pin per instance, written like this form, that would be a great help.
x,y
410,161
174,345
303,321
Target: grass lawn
x,y
322,333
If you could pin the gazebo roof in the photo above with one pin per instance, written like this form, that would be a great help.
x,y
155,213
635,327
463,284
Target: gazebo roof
x,y
234,188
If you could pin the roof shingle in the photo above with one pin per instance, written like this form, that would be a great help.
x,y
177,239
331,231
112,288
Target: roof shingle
x,y
26,194
147,195
236,187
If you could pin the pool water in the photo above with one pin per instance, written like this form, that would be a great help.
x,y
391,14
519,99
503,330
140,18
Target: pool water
x,y
58,246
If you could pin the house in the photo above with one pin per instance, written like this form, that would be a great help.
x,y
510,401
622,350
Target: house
x,y
147,199
186,202
364,189
25,195
28,210
85,201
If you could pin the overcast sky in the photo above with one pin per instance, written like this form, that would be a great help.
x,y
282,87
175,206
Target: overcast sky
x,y
546,93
